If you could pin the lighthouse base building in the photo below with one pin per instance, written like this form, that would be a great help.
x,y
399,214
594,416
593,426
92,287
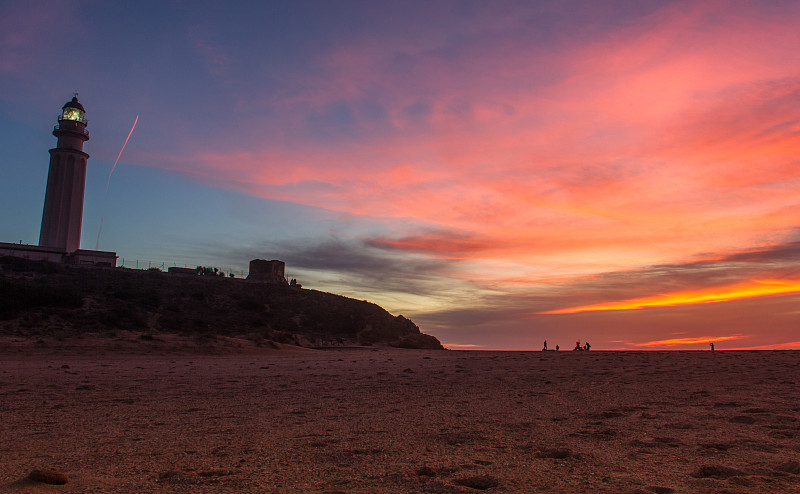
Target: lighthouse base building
x,y
80,256
60,235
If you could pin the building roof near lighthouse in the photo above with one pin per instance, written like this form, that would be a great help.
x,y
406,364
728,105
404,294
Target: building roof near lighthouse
x,y
74,104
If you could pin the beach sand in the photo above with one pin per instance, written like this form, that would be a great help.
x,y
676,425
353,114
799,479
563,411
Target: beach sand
x,y
399,421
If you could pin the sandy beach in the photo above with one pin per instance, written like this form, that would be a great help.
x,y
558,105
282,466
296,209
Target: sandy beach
x,y
401,421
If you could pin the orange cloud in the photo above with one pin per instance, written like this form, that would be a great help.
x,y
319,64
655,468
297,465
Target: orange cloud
x,y
688,341
757,288
791,345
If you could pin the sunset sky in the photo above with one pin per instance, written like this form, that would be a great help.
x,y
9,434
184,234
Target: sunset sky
x,y
622,172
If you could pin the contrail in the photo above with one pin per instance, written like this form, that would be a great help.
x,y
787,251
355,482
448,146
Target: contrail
x,y
108,185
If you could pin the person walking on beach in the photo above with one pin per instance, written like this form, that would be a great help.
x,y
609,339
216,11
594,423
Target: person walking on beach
x,y
712,346
545,345
587,346
577,346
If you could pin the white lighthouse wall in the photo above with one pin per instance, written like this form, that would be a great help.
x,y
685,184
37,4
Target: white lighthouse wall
x,y
63,205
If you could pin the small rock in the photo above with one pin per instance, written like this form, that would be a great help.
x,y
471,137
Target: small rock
x,y
557,453
480,482
717,446
716,472
215,473
792,467
48,477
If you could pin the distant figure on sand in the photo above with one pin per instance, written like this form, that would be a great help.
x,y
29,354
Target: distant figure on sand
x,y
577,347
545,345
556,347
587,346
712,346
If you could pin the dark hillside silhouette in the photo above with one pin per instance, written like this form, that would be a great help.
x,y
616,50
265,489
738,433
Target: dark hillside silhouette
x,y
37,296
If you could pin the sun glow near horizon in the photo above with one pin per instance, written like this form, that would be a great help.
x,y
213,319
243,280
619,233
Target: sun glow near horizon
x,y
756,288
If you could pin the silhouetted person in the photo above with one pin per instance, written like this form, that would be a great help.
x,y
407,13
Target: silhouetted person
x,y
556,347
587,346
712,346
577,346
545,345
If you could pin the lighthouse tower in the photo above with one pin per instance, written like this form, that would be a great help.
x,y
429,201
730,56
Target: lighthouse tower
x,y
60,236
63,201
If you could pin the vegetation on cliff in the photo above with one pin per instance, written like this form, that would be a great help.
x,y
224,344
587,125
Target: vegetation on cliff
x,y
37,297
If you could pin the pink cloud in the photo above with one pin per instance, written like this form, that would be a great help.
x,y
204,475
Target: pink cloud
x,y
646,143
26,30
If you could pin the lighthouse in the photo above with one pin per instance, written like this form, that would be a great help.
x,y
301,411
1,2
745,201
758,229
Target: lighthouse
x,y
60,236
66,179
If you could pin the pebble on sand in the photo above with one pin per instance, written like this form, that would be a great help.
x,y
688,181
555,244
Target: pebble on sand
x,y
792,467
557,453
716,472
480,482
48,477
